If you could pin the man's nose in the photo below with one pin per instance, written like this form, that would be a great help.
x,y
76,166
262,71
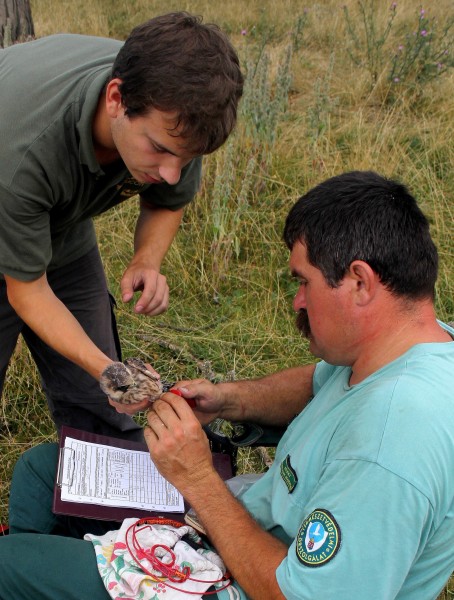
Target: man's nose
x,y
299,301
170,170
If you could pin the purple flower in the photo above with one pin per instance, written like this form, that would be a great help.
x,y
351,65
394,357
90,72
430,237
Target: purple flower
x,y
396,80
393,6
400,48
440,66
422,13
423,33
244,32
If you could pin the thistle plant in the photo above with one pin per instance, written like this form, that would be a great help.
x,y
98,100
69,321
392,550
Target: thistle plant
x,y
298,29
229,210
318,115
366,39
406,54
424,54
265,101
222,188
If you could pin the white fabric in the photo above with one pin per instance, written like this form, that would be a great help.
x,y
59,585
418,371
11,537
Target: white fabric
x,y
123,578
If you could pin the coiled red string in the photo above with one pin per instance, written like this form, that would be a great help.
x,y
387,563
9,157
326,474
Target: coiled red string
x,y
168,570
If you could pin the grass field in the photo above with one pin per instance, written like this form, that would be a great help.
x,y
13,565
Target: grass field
x,y
330,88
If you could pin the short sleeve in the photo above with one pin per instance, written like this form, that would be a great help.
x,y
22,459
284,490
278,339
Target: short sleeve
x,y
350,537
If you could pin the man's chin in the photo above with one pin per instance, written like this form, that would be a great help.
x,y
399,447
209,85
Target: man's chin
x,y
312,345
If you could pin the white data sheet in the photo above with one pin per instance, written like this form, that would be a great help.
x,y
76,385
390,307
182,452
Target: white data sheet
x,y
98,474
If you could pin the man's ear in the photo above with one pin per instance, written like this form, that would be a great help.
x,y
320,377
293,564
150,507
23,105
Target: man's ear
x,y
114,105
365,281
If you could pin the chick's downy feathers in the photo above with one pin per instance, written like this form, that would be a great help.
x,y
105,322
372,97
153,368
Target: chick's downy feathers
x,y
130,382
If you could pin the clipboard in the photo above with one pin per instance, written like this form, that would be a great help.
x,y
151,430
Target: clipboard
x,y
112,513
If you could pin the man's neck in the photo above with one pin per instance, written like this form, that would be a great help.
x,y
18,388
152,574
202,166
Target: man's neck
x,y
391,339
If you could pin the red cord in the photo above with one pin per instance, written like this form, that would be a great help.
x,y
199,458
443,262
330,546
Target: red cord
x,y
167,570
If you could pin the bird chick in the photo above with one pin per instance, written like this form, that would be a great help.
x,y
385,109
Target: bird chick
x,y
130,382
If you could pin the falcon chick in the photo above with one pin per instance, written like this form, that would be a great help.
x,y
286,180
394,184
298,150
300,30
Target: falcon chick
x,y
130,382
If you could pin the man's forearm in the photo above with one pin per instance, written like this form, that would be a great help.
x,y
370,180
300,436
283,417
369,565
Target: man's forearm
x,y
180,450
155,231
271,400
251,554
53,323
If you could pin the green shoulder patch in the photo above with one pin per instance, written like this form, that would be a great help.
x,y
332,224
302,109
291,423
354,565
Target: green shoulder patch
x,y
288,474
318,539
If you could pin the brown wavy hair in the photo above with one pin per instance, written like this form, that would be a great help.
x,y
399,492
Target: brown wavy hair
x,y
176,63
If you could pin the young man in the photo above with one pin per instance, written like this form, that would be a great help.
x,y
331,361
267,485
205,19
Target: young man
x,y
87,123
359,502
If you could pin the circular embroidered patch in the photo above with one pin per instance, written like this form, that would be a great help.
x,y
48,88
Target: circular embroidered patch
x,y
318,539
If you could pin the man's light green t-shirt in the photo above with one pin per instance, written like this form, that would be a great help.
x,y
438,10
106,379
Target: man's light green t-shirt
x,y
362,486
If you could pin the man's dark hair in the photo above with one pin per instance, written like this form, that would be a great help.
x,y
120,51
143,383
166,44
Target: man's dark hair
x,y
363,216
175,63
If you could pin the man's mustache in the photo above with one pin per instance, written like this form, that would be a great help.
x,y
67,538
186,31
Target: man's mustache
x,y
302,323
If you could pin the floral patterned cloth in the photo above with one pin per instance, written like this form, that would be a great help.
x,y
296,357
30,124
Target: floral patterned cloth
x,y
123,577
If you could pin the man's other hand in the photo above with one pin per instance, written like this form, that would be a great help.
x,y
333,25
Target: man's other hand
x,y
154,298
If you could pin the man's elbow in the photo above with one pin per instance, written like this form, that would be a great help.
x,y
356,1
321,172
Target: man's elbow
x,y
20,293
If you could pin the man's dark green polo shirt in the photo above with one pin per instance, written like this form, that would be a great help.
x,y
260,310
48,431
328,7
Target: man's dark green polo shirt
x,y
50,182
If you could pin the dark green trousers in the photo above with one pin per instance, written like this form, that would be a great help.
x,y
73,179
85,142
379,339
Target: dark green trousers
x,y
44,557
